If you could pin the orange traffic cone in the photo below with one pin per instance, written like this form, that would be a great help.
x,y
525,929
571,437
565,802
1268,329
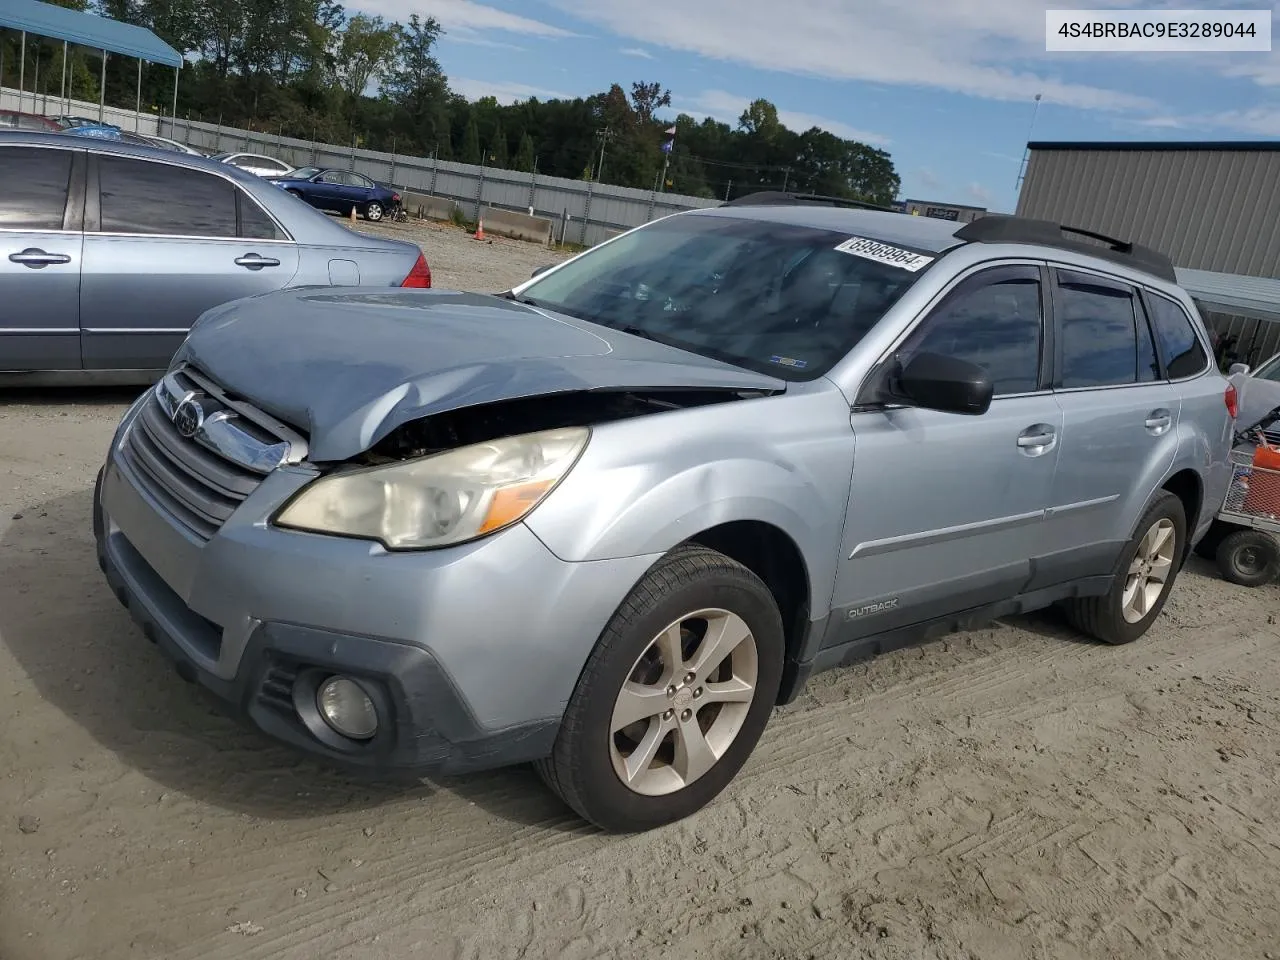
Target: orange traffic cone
x,y
353,214
479,235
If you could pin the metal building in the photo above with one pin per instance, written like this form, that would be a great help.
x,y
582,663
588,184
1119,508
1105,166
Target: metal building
x,y
941,211
1214,208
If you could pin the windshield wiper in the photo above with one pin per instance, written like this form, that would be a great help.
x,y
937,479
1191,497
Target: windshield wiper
x,y
542,305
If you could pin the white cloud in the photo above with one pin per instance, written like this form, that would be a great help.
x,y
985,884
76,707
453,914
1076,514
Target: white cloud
x,y
979,194
1264,71
1257,121
1252,121
463,17
964,46
636,52
479,41
503,91
928,179
727,107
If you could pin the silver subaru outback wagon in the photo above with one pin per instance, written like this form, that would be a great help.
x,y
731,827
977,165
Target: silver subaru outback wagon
x,y
607,520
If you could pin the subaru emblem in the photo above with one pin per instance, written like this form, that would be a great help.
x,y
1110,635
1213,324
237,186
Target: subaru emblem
x,y
188,417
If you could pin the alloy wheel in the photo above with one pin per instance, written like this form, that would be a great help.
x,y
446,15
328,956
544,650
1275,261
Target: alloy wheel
x,y
1149,571
684,702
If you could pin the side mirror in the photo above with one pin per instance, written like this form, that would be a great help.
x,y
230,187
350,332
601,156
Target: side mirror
x,y
937,382
542,269
1238,368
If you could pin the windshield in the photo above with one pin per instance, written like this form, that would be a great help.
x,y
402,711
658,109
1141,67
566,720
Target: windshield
x,y
1270,370
304,173
776,298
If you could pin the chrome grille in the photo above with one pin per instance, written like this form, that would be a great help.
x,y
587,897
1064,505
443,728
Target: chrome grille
x,y
199,453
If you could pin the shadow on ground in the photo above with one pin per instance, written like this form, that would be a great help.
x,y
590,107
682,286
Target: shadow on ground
x,y
86,657
18,396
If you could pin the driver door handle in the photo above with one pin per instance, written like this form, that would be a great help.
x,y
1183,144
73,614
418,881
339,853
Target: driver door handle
x,y
1037,439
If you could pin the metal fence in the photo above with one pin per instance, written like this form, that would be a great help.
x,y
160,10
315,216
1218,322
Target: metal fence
x,y
54,106
591,212
586,213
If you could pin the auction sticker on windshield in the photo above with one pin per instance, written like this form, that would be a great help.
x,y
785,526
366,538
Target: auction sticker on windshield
x,y
884,253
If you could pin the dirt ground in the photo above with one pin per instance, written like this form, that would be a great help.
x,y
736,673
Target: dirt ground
x,y
1009,793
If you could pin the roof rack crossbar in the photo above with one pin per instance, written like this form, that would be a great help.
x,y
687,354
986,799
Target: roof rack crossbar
x,y
1003,228
781,198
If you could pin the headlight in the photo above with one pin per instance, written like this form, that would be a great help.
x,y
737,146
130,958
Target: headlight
x,y
439,500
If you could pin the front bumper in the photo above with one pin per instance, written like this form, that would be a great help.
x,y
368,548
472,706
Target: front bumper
x,y
470,653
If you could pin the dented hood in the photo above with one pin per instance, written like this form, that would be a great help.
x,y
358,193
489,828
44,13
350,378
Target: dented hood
x,y
348,367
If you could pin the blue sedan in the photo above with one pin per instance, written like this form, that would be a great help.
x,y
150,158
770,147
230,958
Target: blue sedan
x,y
339,191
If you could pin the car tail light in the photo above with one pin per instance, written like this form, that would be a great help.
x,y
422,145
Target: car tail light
x,y
395,198
1232,400
420,275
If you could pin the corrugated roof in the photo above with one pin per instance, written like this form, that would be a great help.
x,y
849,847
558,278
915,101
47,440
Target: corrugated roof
x,y
1245,145
87,30
1257,297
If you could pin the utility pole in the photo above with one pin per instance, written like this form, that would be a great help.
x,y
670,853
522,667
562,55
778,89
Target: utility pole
x,y
727,187
1026,153
786,175
604,136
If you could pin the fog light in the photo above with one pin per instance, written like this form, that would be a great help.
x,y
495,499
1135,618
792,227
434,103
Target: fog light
x,y
347,708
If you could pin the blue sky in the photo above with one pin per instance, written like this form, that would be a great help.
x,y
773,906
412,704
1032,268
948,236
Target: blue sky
x,y
946,86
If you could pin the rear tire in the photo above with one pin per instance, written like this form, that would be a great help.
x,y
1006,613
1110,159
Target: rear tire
x,y
1250,558
646,740
1126,611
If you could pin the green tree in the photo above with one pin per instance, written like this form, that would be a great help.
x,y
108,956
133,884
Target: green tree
x,y
414,79
497,154
647,99
470,152
524,154
364,49
417,86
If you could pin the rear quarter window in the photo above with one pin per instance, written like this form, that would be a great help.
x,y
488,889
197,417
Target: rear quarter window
x,y
1183,354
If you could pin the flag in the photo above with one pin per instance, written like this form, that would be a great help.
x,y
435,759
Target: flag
x,y
670,131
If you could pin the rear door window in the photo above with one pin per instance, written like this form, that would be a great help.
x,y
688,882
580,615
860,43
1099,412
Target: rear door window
x,y
144,197
254,222
1184,356
35,183
1097,331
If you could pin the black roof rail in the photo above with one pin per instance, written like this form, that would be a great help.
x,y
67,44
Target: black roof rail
x,y
780,198
1003,228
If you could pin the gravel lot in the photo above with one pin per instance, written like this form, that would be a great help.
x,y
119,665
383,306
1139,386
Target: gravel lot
x,y
1009,793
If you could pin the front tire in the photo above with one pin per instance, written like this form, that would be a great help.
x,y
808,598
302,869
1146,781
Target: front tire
x,y
674,697
373,212
1143,576
1249,558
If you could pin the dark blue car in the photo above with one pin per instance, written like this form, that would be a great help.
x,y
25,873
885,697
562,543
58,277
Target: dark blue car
x,y
339,191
